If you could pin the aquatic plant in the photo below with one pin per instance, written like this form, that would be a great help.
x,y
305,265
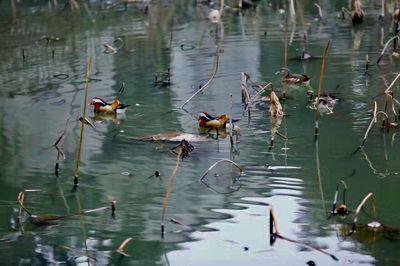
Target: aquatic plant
x,y
320,86
184,149
79,149
203,87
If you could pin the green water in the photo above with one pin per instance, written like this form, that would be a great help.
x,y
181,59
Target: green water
x,y
229,223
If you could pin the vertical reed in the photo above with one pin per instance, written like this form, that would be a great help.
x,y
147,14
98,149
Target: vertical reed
x,y
79,150
169,191
321,79
357,213
286,42
230,119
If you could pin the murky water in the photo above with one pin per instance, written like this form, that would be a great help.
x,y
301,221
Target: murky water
x,y
226,222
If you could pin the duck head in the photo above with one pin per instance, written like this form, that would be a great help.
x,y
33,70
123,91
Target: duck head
x,y
284,71
115,104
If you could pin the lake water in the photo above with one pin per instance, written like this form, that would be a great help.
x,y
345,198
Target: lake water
x,y
227,222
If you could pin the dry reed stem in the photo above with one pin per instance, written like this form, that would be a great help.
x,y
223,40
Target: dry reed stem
x,y
286,42
78,154
274,225
121,248
260,91
357,213
230,119
374,119
275,107
221,8
321,79
214,164
393,82
21,198
170,187
245,90
319,10
385,47
337,193
208,82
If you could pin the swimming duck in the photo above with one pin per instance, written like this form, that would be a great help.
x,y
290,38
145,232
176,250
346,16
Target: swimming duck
x,y
291,78
101,106
326,103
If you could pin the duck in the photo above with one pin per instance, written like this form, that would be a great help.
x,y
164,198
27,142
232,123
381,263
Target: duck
x,y
208,121
326,102
291,78
101,106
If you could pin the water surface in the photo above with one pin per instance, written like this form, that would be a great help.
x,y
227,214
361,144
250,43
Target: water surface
x,y
228,224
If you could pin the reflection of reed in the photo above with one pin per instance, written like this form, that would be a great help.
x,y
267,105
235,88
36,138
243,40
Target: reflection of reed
x,y
319,175
371,166
170,187
320,86
81,221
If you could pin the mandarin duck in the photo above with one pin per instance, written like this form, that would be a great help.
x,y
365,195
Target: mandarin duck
x,y
101,106
291,78
209,121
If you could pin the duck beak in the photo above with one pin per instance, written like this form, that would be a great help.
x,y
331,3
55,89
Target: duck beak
x,y
277,72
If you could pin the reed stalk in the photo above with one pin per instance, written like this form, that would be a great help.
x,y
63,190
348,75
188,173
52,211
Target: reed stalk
x,y
169,190
321,80
274,233
374,119
122,248
385,47
262,89
79,150
321,190
286,42
393,82
319,10
357,213
216,163
208,82
230,120
335,198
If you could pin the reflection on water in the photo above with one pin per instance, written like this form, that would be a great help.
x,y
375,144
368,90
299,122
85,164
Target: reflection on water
x,y
226,220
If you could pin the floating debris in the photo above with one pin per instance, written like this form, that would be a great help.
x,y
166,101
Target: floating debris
x,y
172,137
